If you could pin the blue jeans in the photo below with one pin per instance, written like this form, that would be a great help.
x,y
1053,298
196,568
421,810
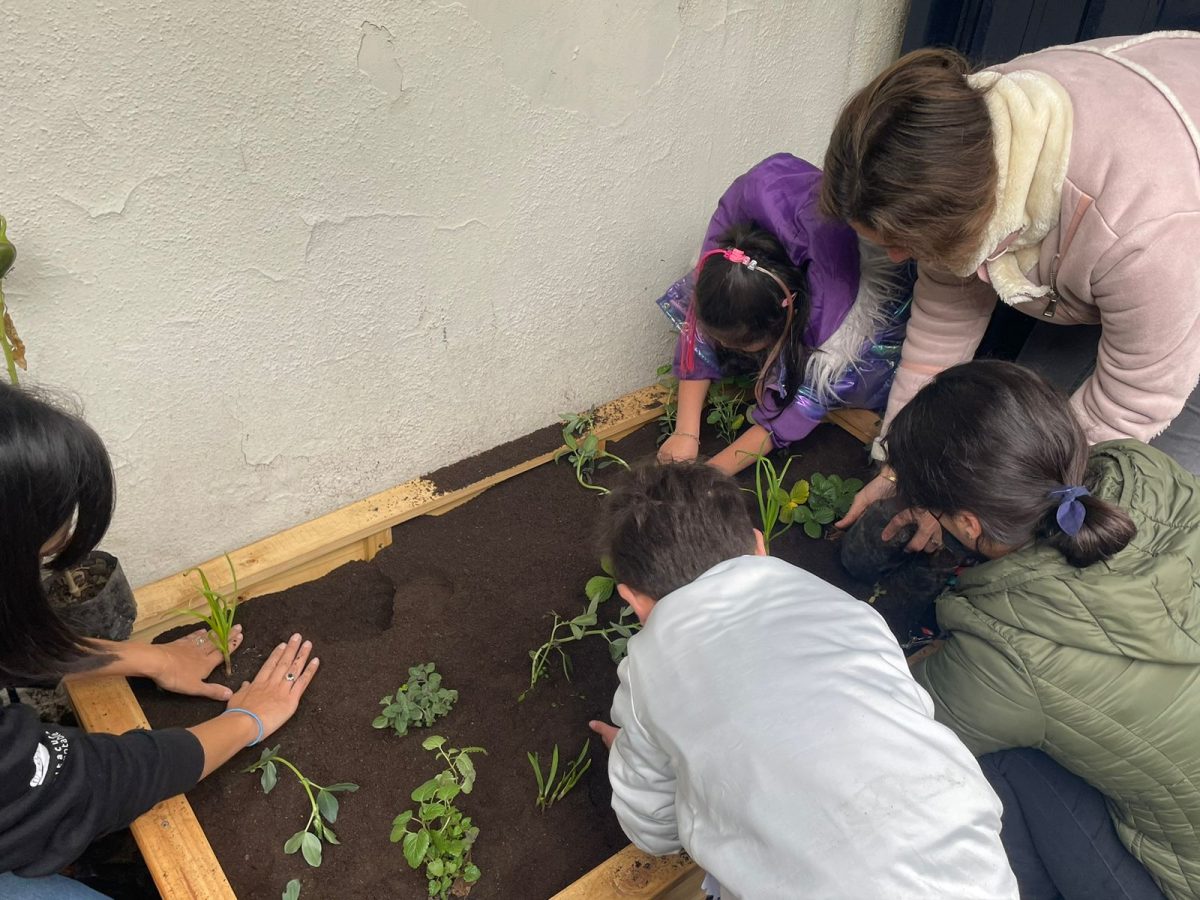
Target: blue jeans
x,y
1058,835
51,887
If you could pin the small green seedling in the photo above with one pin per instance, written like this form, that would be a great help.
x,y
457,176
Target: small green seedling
x,y
670,413
831,499
324,806
221,610
443,837
582,449
599,589
292,891
551,791
776,506
418,703
728,408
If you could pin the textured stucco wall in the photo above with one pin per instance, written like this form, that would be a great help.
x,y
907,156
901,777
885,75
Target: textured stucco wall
x,y
289,253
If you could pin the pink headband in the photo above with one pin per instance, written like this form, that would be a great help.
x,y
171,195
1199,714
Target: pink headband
x,y
736,256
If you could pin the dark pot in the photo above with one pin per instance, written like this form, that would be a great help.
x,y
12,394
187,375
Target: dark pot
x,y
105,607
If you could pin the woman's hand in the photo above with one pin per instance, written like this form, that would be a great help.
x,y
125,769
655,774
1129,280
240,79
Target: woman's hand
x,y
929,532
276,690
183,664
879,488
679,447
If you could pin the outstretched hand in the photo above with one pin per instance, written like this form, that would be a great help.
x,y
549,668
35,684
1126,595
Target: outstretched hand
x,y
184,664
276,690
878,488
608,733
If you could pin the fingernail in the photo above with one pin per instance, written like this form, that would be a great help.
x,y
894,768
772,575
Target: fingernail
x,y
314,662
308,643
296,636
281,646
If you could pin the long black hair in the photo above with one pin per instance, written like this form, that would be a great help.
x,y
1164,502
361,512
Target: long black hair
x,y
738,307
994,439
53,467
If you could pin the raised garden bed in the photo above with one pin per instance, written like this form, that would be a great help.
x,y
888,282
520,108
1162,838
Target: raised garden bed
x,y
470,590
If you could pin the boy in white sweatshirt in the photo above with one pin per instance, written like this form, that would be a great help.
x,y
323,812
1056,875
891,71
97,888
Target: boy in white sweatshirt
x,y
768,723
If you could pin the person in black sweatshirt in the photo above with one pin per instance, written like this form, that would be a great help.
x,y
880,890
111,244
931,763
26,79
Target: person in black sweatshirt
x,y
61,788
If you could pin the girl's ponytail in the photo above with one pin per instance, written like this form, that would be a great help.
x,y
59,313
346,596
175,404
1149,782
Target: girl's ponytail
x,y
1106,529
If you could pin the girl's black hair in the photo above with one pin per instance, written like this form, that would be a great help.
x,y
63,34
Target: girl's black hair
x,y
994,439
53,467
738,307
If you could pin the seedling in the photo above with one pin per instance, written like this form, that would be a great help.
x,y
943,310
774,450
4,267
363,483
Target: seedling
x,y
418,703
599,589
443,837
221,610
582,449
831,499
292,891
774,502
728,412
666,421
551,791
321,798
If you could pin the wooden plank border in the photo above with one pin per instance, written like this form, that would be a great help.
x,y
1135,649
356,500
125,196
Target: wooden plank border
x,y
170,837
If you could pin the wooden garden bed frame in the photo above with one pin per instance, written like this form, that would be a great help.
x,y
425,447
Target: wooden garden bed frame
x,y
171,840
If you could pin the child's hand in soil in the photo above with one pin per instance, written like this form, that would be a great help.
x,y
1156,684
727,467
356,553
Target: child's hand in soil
x,y
679,448
185,663
276,690
878,488
608,733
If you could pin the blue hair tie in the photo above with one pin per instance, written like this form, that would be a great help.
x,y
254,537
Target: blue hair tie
x,y
1070,512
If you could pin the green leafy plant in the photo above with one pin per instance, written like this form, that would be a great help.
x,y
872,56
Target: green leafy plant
x,y
551,791
831,498
320,797
418,703
441,837
812,505
563,632
727,402
221,610
774,502
292,891
666,421
582,449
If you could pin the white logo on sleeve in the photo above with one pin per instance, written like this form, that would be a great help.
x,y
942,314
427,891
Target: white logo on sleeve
x,y
42,758
41,765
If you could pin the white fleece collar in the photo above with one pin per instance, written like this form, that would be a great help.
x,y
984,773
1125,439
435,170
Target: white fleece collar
x,y
1031,131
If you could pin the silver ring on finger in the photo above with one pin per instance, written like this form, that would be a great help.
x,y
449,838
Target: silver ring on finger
x,y
199,641
290,676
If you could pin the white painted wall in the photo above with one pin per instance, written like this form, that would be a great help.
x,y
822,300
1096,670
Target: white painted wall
x,y
291,252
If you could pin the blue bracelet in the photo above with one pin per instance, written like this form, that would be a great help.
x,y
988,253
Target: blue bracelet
x,y
256,719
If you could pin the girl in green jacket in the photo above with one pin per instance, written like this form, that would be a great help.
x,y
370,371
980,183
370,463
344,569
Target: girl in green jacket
x,y
1076,636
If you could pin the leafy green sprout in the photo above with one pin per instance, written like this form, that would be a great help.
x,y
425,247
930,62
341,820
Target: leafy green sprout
x,y
812,505
221,611
320,797
443,837
666,421
292,891
551,791
727,399
598,589
772,499
581,446
418,703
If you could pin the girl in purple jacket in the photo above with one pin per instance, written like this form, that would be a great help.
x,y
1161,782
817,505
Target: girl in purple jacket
x,y
794,297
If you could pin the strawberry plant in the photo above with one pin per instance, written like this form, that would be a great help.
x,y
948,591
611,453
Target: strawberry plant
x,y
727,400
321,798
550,791
442,836
582,449
418,703
221,610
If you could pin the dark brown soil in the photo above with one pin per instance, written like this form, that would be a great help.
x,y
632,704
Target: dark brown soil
x,y
469,590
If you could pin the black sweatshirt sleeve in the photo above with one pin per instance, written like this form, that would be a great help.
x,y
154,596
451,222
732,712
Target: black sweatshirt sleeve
x,y
61,788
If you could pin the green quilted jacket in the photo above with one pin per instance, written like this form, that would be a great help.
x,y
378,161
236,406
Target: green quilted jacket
x,y
1098,667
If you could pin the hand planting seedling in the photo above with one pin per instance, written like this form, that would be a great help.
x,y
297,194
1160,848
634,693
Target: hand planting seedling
x,y
551,791
582,449
443,837
617,633
221,610
418,703
324,806
666,421
728,412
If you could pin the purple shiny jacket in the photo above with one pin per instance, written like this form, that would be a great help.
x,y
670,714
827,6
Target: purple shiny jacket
x,y
781,195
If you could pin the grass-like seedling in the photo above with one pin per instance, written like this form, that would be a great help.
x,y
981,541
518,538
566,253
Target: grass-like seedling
x,y
292,891
551,791
666,421
812,505
324,806
418,703
617,633
221,610
774,502
582,449
727,400
443,836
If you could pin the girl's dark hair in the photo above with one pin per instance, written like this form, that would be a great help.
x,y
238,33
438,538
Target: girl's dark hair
x,y
738,307
665,526
52,466
911,157
994,439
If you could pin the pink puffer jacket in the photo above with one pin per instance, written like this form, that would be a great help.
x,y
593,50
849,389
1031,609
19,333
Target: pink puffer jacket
x,y
1126,251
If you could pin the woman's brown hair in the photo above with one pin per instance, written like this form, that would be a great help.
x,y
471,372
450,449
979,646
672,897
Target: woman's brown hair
x,y
911,158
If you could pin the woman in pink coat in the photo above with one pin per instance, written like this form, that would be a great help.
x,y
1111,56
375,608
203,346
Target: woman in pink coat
x,y
1065,183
